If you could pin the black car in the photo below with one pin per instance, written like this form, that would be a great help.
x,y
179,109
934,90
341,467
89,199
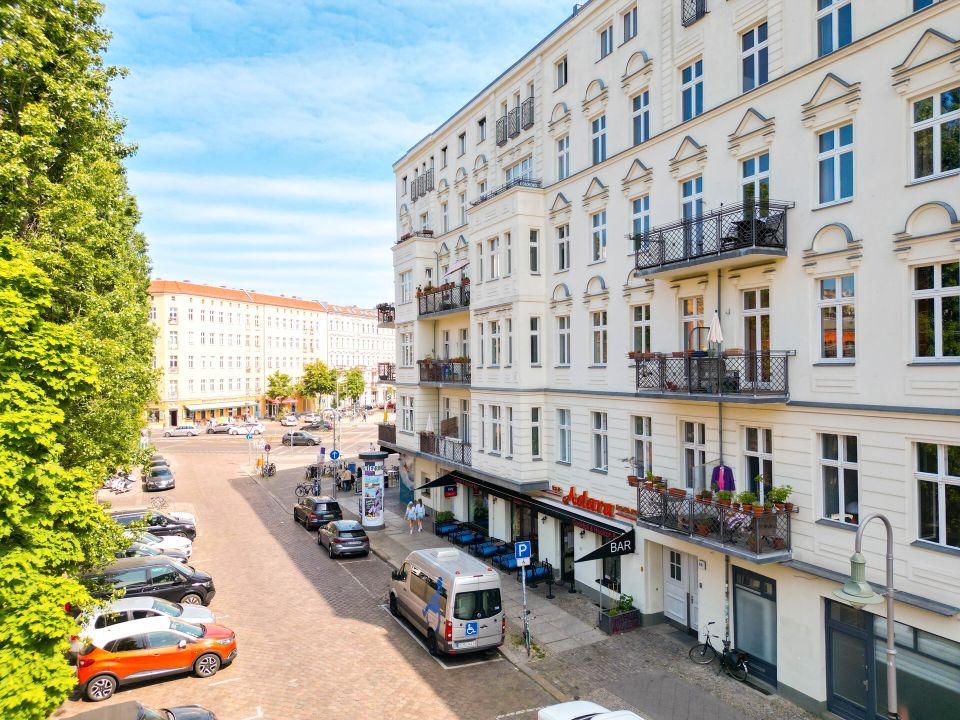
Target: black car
x,y
159,576
318,425
157,522
158,478
298,437
343,537
137,549
132,710
314,511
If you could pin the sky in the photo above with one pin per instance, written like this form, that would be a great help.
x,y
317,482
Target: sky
x,y
267,129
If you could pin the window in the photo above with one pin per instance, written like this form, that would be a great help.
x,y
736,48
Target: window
x,y
464,343
563,248
753,48
172,387
755,183
606,41
561,71
403,185
445,345
443,157
936,303
563,340
598,321
444,218
834,25
465,421
494,342
641,117
599,139
563,157
840,474
496,444
483,427
835,161
481,129
509,324
629,19
406,413
493,250
461,144
838,330
509,432
462,199
172,340
406,286
480,342
641,328
534,341
642,444
535,433
481,188
599,236
938,487
758,459
694,450
691,90
535,252
921,4
172,315
564,436
153,313
598,425
519,171
508,243
406,349
936,134
173,363
640,221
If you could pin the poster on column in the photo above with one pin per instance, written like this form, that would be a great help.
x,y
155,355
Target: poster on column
x,y
372,493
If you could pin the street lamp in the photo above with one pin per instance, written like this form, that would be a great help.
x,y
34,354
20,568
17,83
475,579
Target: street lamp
x,y
858,592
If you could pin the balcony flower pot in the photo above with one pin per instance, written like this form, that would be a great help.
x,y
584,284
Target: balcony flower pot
x,y
746,507
788,507
781,507
702,529
621,618
759,510
678,354
731,352
428,233
633,481
648,484
678,492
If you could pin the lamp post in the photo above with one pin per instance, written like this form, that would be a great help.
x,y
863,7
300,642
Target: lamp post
x,y
858,592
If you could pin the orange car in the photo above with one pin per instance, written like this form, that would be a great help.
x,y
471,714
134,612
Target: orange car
x,y
150,648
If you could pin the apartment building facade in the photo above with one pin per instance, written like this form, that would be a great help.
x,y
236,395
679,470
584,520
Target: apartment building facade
x,y
217,346
786,172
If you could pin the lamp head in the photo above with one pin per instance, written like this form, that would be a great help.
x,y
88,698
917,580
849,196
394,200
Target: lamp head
x,y
857,591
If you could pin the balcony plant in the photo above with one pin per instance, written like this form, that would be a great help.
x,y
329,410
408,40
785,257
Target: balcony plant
x,y
778,496
724,498
660,486
705,496
746,500
621,617
633,481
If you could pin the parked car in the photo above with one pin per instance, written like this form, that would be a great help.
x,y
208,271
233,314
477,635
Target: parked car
x,y
299,437
132,710
343,537
159,522
171,545
151,648
187,429
248,429
220,428
159,576
317,425
309,418
316,510
158,478
158,461
584,710
289,421
139,549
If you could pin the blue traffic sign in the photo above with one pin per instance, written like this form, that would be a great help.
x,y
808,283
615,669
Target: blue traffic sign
x,y
521,549
472,629
334,454
249,436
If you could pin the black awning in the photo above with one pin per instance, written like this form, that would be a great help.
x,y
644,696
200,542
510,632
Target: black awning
x,y
441,481
622,545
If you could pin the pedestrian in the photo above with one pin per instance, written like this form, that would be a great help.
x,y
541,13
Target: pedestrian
x,y
410,515
316,483
421,512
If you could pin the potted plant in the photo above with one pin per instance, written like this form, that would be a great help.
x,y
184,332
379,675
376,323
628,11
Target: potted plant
x,y
724,498
633,481
428,233
465,281
706,496
621,617
778,495
660,486
731,352
746,500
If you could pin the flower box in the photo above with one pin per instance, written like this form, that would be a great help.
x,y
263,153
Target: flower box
x,y
633,481
620,622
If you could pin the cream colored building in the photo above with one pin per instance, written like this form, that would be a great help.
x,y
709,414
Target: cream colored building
x,y
217,346
788,168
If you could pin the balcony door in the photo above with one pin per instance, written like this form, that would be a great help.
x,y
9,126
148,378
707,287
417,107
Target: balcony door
x,y
691,311
692,191
465,421
680,588
756,336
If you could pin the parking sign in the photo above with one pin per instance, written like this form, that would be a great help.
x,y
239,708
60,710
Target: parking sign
x,y
521,551
472,629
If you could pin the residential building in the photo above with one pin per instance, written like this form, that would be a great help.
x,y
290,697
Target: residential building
x,y
216,347
636,191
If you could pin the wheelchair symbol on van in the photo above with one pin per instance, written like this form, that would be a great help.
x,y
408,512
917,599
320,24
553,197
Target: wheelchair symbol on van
x,y
472,629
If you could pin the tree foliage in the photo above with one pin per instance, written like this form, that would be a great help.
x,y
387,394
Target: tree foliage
x,y
354,383
279,386
318,379
75,339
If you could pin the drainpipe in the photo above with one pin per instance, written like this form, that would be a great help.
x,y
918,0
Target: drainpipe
x,y
719,360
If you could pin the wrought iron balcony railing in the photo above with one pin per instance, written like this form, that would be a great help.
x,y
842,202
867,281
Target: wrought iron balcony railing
x,y
744,374
691,11
526,113
502,130
421,185
729,230
444,298
516,182
387,432
422,233
513,122
386,315
386,372
450,449
764,537
445,372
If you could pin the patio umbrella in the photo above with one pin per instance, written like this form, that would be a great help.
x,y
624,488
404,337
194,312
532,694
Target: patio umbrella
x,y
429,427
715,335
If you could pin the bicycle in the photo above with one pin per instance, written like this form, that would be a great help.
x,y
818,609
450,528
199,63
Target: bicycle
x,y
308,487
268,470
733,661
158,503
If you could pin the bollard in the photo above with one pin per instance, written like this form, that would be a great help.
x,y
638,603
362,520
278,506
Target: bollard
x,y
550,595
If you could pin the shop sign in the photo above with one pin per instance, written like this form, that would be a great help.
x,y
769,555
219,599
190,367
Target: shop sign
x,y
449,490
588,503
620,545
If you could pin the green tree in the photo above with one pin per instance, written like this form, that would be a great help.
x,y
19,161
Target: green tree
x,y
318,379
279,386
354,384
75,340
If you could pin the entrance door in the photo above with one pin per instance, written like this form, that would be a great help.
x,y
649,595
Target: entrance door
x,y
850,678
524,526
173,418
675,583
755,622
566,552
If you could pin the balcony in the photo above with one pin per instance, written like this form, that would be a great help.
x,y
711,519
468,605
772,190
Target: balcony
x,y
446,299
452,450
444,372
386,372
421,185
387,432
174,369
415,234
516,182
386,315
736,376
513,122
526,113
691,11
728,232
763,538
502,131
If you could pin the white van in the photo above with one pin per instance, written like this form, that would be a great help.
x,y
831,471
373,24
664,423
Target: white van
x,y
584,710
452,598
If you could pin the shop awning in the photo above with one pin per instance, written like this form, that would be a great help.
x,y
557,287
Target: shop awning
x,y
441,481
220,405
284,401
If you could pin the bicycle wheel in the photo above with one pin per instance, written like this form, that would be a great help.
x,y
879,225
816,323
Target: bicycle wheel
x,y
302,491
737,669
702,654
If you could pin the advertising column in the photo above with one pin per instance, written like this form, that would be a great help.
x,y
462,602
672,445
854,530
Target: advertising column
x,y
372,498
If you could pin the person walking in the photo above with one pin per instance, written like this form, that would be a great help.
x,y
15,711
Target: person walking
x,y
410,515
421,512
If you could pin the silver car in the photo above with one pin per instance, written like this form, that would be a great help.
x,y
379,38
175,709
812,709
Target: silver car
x,y
188,429
343,537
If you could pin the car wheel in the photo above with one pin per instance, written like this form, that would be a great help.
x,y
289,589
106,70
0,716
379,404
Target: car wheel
x,y
319,541
432,646
191,599
183,535
330,550
207,665
209,431
166,434
101,687
394,608
316,442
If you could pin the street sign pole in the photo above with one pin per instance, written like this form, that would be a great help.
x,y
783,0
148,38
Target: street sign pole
x,y
526,630
522,550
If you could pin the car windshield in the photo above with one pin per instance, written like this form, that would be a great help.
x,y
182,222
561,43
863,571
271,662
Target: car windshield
x,y
146,713
182,567
168,608
146,549
476,604
196,631
352,534
148,537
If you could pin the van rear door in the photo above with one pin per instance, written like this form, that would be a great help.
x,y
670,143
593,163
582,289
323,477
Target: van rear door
x,y
477,608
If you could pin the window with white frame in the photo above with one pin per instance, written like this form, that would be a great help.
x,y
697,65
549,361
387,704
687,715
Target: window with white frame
x,y
535,438
564,436
172,314
834,25
691,315
641,117
493,254
443,157
534,341
481,129
598,429
406,349
480,343
406,286
445,345
629,21
755,185
494,326
496,429
508,323
464,421
758,459
153,313
173,388
838,329
563,157
641,328
519,171
835,164
461,144
406,413
479,262
563,340
936,134
464,342
936,308
598,235
691,90
938,493
173,363
606,41
640,221
444,218
535,252
462,199
694,451
598,323
403,185
561,72
598,139
481,188
483,427
172,340
508,253
563,248
753,53
642,444
509,420
921,4
840,475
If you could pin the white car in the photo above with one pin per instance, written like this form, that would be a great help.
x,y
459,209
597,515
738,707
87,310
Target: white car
x,y
253,428
310,418
584,710
135,608
289,421
187,429
163,543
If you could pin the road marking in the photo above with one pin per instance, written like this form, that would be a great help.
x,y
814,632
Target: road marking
x,y
417,639
365,588
224,682
258,715
519,712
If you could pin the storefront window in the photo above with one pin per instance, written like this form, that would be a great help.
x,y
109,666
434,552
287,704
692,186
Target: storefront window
x,y
611,573
480,509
